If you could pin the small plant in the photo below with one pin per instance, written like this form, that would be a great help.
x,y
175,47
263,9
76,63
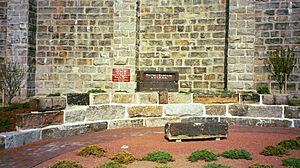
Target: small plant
x,y
66,164
214,165
14,106
290,144
53,94
274,151
158,156
123,157
202,155
124,91
111,165
261,166
96,91
294,102
291,162
4,123
263,90
237,154
92,150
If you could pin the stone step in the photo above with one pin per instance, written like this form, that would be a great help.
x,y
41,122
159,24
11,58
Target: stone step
x,y
42,104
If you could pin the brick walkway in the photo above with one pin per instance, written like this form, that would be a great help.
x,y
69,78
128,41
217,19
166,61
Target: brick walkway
x,y
36,153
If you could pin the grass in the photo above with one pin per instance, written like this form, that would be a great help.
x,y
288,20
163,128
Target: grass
x,y
290,144
158,156
214,165
66,164
274,151
202,155
291,162
237,154
261,166
123,157
92,150
111,165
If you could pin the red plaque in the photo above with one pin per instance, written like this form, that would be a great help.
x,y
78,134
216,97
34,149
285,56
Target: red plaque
x,y
120,75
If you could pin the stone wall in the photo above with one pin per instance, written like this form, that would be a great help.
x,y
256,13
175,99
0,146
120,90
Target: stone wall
x,y
3,29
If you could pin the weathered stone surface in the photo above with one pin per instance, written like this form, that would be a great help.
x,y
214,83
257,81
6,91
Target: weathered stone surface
x,y
44,104
126,123
2,142
179,98
33,104
159,122
215,109
15,138
238,110
100,98
105,112
147,98
75,115
292,112
297,123
69,130
267,99
58,103
281,99
145,111
265,111
184,110
186,130
38,120
216,98
257,122
200,119
250,98
78,98
163,97
126,98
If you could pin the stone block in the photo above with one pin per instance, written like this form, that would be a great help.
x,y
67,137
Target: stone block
x,y
145,111
159,122
215,98
44,104
70,130
250,98
126,98
200,119
292,112
100,98
58,103
265,111
281,99
75,115
2,142
126,123
297,123
174,131
105,112
183,110
257,122
33,104
78,99
163,97
179,98
147,98
215,109
238,110
267,99
16,138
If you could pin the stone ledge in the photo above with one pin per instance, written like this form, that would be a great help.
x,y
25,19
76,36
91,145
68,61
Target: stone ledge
x,y
145,111
126,123
48,103
183,110
105,112
215,98
16,138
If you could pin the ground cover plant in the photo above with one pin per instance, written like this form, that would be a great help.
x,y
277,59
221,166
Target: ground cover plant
x,y
96,91
214,165
202,155
261,166
123,157
15,106
294,102
158,156
263,90
111,165
290,144
4,123
237,154
53,94
66,164
291,162
92,150
274,151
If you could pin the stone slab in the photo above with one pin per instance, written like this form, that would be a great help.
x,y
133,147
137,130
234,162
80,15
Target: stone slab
x,y
250,98
42,104
145,111
105,112
238,110
126,123
75,115
257,122
179,98
267,99
70,130
265,111
215,110
281,99
292,112
58,103
39,120
160,122
147,98
78,99
100,98
183,110
200,119
163,97
297,123
16,138
126,98
215,98
174,131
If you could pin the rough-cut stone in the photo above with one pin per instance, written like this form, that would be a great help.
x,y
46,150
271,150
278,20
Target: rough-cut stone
x,y
267,99
58,103
33,104
179,98
105,112
147,98
100,98
257,122
127,98
281,99
292,112
250,98
126,123
38,120
297,123
15,138
2,142
215,109
145,111
70,130
159,122
78,98
215,98
75,115
163,97
44,104
183,110
174,131
238,110
200,119
265,111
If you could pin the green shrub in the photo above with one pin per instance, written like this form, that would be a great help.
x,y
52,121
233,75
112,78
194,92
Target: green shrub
x,y
290,144
291,162
124,91
66,164
202,155
123,157
237,154
53,94
92,150
261,166
4,123
214,165
96,91
294,102
158,156
274,151
111,165
263,90
14,106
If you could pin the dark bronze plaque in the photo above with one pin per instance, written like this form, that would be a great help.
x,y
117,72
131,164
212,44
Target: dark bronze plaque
x,y
157,81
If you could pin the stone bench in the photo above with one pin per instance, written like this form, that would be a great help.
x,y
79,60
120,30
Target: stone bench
x,y
191,130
